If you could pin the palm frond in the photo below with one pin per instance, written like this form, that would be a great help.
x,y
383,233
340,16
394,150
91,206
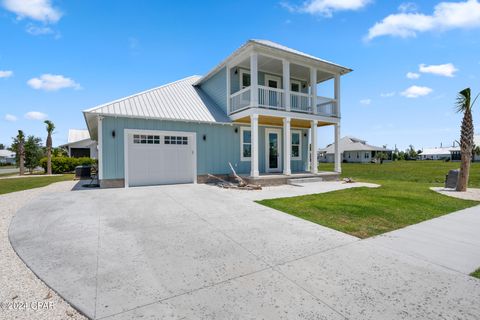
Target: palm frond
x,y
463,101
50,126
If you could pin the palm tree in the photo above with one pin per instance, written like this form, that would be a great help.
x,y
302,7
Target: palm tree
x,y
50,128
21,151
464,105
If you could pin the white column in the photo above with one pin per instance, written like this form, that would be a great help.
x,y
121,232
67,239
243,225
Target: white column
x,y
338,158
313,89
254,79
287,146
100,147
337,94
254,138
228,89
286,83
313,148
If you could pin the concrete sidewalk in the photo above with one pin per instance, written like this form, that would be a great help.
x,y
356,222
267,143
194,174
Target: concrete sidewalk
x,y
451,241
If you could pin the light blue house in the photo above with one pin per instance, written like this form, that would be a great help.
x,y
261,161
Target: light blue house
x,y
257,110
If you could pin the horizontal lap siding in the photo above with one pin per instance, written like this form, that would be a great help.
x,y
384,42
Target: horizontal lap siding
x,y
222,145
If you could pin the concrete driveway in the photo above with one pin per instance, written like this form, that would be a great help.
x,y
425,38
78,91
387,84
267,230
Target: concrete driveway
x,y
199,252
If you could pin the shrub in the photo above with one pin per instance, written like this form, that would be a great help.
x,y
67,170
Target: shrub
x,y
65,164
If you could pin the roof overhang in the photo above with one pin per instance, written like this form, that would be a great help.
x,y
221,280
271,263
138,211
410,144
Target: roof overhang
x,y
291,55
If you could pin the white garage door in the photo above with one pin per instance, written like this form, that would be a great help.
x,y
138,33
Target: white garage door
x,y
159,157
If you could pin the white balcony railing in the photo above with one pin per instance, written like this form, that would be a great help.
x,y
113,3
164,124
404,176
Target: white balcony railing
x,y
300,102
271,98
240,100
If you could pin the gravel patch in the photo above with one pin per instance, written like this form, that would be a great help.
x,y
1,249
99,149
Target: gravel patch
x,y
22,294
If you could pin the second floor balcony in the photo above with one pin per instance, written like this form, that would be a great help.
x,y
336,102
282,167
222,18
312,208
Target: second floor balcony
x,y
273,98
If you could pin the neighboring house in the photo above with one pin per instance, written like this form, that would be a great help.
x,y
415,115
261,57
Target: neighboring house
x,y
7,157
353,150
80,145
258,110
476,141
441,153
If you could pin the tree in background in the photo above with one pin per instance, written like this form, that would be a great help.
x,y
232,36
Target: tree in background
x,y
50,128
410,153
464,105
18,146
2,146
33,152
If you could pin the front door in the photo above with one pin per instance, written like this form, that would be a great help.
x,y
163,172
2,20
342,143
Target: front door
x,y
273,152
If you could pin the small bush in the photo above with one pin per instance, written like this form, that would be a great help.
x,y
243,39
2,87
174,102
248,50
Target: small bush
x,y
65,164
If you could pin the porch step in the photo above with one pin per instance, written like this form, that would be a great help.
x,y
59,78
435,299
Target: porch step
x,y
304,180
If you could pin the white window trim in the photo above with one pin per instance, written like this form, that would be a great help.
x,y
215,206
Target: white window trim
x,y
274,78
242,129
296,82
299,146
242,72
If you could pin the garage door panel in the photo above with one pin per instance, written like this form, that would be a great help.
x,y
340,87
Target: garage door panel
x,y
160,158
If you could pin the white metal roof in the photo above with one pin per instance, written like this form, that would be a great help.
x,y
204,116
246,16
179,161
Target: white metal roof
x,y
351,144
178,100
75,135
7,154
438,151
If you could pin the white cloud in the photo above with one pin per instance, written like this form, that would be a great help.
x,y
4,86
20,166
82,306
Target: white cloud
x,y
413,75
52,82
39,10
446,70
387,94
366,102
35,115
36,30
446,16
416,91
10,117
6,73
326,8
408,7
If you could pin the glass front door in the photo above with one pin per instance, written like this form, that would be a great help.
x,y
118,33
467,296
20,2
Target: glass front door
x,y
273,161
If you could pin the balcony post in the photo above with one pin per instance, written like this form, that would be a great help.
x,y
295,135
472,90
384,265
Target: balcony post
x,y
313,89
254,141
287,146
229,108
254,80
337,95
337,155
313,147
286,83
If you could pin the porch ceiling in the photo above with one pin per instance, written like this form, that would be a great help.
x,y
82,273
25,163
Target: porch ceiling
x,y
278,121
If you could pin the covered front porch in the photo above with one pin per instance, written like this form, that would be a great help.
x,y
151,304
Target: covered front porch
x,y
280,147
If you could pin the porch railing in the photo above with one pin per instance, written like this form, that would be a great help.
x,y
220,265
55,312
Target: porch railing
x,y
271,98
240,100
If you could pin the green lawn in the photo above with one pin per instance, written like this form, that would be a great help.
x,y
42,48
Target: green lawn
x,y
476,274
18,184
403,199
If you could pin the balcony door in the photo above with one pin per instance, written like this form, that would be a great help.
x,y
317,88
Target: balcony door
x,y
273,152
273,97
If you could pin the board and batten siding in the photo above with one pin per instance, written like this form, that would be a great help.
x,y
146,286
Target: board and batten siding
x,y
216,88
221,146
235,80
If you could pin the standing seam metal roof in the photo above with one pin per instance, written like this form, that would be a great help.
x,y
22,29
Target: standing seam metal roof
x,y
179,100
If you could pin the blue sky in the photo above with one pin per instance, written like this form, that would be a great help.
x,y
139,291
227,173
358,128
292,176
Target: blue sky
x,y
58,58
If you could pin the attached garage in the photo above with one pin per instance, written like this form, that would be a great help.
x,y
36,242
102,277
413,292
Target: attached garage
x,y
159,157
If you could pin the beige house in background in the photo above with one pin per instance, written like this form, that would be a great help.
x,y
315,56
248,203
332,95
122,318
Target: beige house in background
x,y
352,150
80,145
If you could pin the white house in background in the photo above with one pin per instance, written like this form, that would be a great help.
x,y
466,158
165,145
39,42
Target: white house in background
x,y
7,157
80,145
352,150
441,153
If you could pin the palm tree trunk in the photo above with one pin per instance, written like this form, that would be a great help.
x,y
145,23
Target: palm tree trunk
x,y
21,156
49,154
466,146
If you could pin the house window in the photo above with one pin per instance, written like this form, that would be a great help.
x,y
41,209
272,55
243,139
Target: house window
x,y
367,155
245,144
245,79
358,155
146,139
295,86
175,140
296,145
